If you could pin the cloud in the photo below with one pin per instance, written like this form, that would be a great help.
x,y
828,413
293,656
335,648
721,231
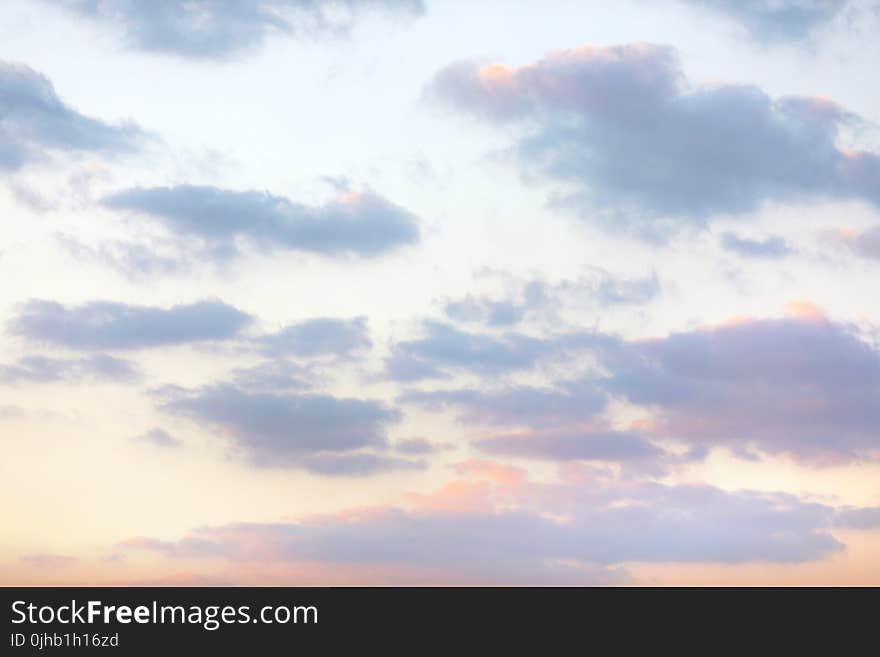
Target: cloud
x,y
564,423
218,28
503,312
858,518
484,528
802,385
159,437
865,243
136,260
36,123
571,445
778,20
347,465
113,325
570,402
320,336
95,368
634,145
532,300
419,446
768,248
274,429
446,347
274,374
218,221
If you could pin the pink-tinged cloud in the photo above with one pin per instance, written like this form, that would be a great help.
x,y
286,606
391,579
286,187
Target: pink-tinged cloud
x,y
495,526
636,146
801,385
866,243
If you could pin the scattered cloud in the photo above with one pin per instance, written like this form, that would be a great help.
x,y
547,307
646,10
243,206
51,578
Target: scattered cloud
x,y
570,402
205,29
446,347
810,386
419,446
93,368
571,445
218,221
275,374
273,429
364,464
114,325
37,124
316,337
768,248
778,20
635,146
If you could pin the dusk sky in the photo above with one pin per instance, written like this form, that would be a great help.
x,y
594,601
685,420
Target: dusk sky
x,y
440,292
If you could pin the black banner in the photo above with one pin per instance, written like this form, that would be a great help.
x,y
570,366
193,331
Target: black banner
x,y
133,621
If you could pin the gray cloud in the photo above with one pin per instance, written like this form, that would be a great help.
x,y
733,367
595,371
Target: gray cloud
x,y
219,28
159,437
35,122
419,446
536,299
219,220
778,20
320,336
571,445
569,403
638,147
801,386
136,260
446,347
288,430
113,325
808,387
503,312
95,368
273,374
858,518
768,248
348,465
615,291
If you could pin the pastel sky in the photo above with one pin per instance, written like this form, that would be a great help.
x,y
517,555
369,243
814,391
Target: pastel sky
x,y
425,292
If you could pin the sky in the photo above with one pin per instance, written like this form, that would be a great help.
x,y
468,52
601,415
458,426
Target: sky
x,y
397,292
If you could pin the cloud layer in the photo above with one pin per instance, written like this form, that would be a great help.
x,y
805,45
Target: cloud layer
x,y
494,525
